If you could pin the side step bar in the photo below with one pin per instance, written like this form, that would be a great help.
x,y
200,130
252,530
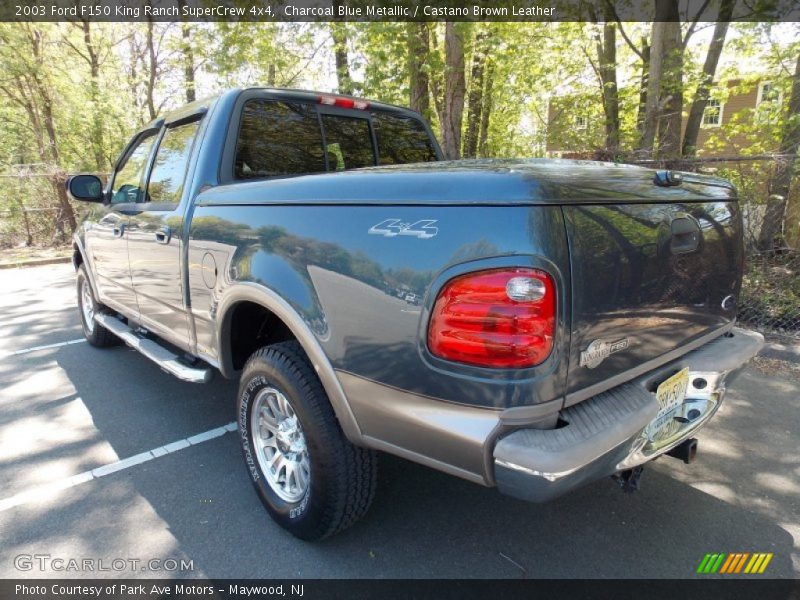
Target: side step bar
x,y
165,359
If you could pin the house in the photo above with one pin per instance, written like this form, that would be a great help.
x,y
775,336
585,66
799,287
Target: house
x,y
733,121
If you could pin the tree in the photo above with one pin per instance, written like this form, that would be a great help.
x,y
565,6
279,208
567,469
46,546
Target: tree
x,y
487,108
707,78
26,84
476,94
454,91
419,47
781,181
607,72
339,35
664,101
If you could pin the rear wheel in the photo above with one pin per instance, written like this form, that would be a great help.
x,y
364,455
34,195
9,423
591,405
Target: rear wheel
x,y
310,478
95,334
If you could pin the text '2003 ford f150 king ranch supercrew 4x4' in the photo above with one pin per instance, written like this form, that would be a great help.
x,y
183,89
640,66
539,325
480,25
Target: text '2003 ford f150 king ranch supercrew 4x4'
x,y
532,325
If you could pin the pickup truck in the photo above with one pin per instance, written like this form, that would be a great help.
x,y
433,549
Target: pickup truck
x,y
533,325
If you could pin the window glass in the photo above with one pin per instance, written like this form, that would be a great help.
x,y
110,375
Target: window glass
x,y
712,113
128,181
348,143
169,168
401,139
278,139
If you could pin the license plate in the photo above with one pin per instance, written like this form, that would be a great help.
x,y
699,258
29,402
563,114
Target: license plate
x,y
670,394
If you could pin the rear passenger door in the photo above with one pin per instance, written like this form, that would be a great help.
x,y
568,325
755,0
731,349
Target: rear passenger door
x,y
154,237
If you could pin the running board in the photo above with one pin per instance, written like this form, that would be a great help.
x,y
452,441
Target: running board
x,y
164,358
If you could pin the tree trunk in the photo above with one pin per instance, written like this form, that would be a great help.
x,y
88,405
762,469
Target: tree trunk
x,y
92,58
454,91
781,181
607,57
418,49
152,72
640,113
188,63
487,108
339,35
475,98
707,78
671,102
654,71
187,54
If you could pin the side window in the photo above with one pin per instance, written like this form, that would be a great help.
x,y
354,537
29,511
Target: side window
x,y
169,168
401,139
348,143
128,181
278,139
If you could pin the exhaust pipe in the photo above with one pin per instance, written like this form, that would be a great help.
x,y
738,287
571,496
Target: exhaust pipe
x,y
685,451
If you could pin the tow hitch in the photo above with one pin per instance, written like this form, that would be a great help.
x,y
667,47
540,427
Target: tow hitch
x,y
685,451
629,480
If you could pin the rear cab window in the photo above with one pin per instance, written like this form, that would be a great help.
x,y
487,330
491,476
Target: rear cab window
x,y
279,138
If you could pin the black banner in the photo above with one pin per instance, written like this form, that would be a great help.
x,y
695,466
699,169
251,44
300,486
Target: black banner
x,y
387,589
379,10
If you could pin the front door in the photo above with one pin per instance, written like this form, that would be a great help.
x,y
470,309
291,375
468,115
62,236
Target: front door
x,y
106,238
154,238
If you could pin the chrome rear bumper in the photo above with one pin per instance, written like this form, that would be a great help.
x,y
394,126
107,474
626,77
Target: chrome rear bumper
x,y
608,433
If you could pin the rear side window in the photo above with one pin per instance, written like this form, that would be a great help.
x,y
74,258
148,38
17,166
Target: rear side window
x,y
278,139
348,143
401,139
169,169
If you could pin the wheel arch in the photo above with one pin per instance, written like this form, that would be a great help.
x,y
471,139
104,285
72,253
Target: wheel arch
x,y
248,292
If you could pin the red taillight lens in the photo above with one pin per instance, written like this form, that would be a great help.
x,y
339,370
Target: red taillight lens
x,y
503,318
343,102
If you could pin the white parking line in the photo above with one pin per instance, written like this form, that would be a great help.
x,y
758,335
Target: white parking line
x,y
49,489
6,354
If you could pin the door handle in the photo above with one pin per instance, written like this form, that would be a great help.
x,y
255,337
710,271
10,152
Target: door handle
x,y
117,232
685,235
163,235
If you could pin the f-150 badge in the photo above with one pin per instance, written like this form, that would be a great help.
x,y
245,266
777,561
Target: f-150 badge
x,y
599,350
423,229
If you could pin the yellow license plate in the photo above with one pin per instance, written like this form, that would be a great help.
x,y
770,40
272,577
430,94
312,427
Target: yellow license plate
x,y
670,394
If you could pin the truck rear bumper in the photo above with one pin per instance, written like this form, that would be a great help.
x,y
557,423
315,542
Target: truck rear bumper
x,y
609,432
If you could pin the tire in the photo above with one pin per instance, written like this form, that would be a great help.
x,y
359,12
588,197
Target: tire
x,y
95,334
278,381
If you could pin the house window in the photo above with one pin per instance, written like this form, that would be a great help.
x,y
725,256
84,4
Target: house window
x,y
767,92
768,102
712,115
580,122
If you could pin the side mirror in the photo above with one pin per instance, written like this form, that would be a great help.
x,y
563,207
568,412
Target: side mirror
x,y
87,188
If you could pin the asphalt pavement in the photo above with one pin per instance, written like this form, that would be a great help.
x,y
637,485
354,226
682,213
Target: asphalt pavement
x,y
110,462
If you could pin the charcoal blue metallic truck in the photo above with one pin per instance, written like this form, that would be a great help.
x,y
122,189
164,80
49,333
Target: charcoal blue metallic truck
x,y
530,325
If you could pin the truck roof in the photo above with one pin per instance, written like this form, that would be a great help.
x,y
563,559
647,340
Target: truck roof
x,y
486,181
288,94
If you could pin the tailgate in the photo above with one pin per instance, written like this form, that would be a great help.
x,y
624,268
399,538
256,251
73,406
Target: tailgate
x,y
648,279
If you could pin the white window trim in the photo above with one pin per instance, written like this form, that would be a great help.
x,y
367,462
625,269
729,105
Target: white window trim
x,y
712,125
584,125
760,95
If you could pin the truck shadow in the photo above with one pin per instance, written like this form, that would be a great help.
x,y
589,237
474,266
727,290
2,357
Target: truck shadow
x,y
198,503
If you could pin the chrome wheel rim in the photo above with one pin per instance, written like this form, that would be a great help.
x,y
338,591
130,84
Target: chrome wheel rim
x,y
280,445
87,306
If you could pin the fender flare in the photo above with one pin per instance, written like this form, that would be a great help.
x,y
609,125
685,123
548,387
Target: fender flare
x,y
79,249
258,294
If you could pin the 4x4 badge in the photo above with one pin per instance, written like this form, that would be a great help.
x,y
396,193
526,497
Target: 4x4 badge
x,y
598,350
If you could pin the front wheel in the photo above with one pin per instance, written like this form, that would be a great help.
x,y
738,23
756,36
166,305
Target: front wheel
x,y
310,478
88,306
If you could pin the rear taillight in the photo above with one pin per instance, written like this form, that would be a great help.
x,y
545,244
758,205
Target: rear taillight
x,y
503,318
342,102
